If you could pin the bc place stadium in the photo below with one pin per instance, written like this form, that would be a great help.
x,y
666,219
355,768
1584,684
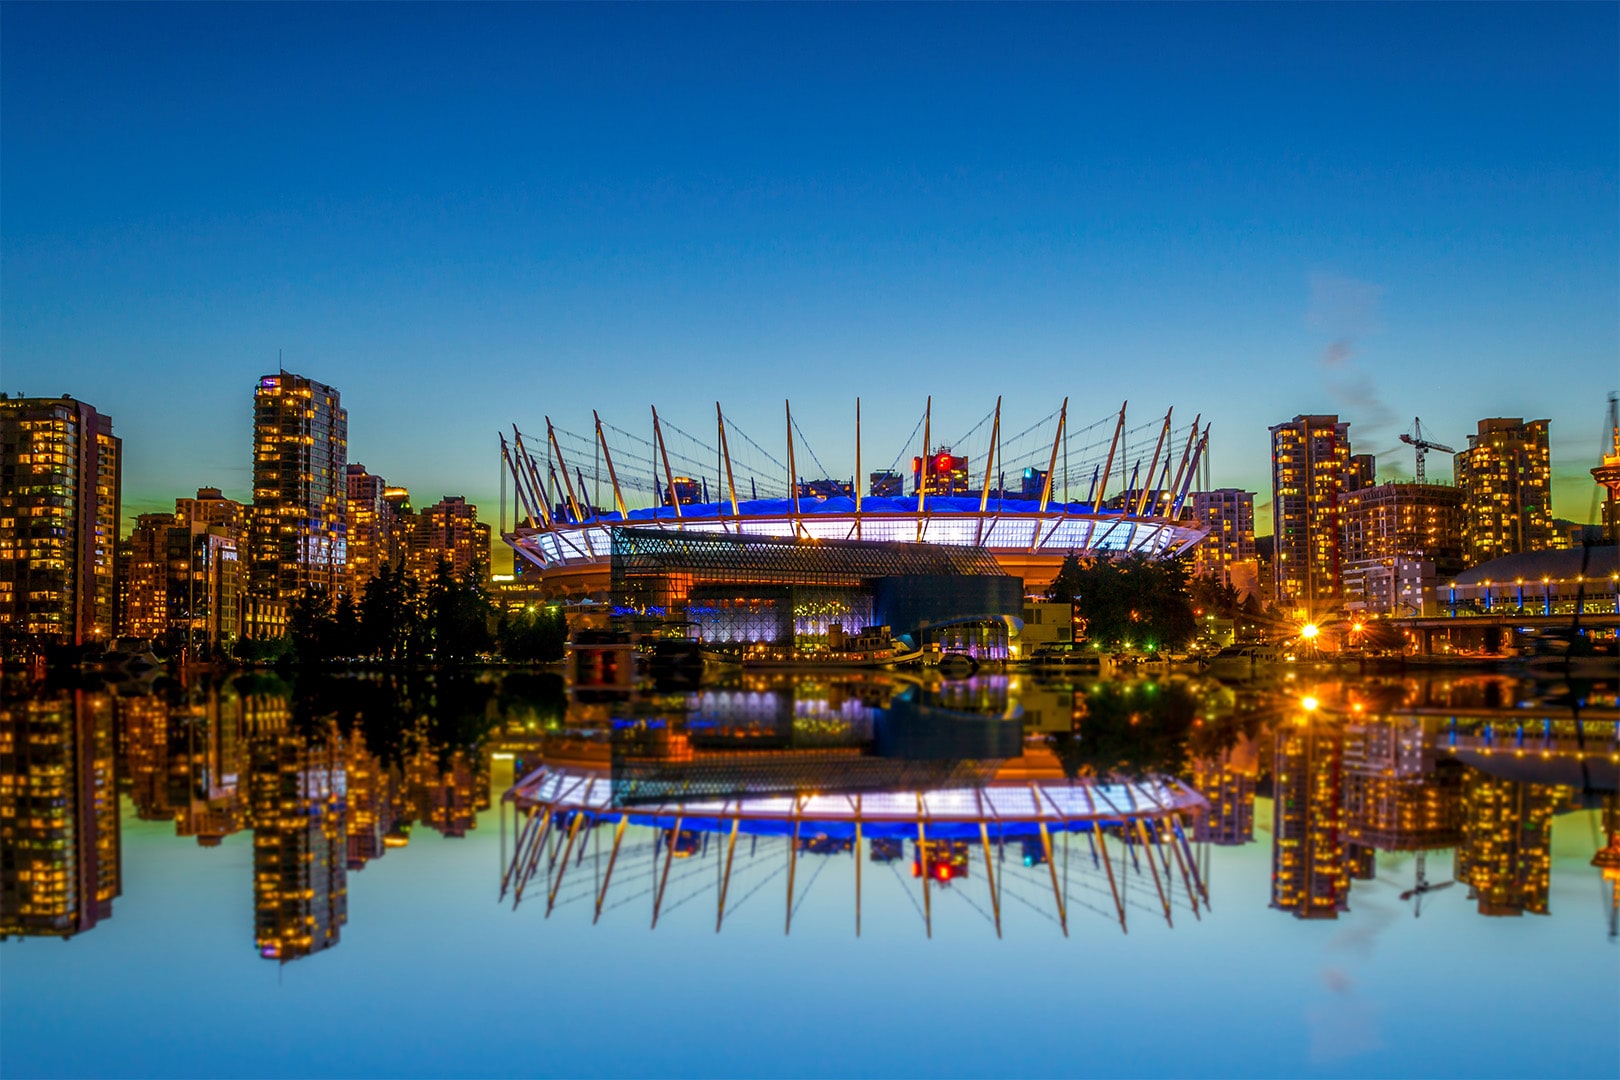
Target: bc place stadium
x,y
1028,497
763,554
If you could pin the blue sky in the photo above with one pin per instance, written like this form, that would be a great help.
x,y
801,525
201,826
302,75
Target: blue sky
x,y
465,217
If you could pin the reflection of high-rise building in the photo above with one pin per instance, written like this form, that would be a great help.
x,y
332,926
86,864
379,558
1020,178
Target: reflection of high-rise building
x,y
300,486
1396,799
1506,850
445,793
371,801
1310,472
60,485
60,867
1228,782
1228,514
145,722
1505,477
1310,867
300,850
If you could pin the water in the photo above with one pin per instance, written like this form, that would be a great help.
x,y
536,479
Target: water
x,y
261,878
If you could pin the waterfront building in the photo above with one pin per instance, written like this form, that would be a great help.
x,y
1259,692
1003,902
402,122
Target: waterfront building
x,y
300,847
146,607
1228,552
187,581
60,490
1396,541
954,500
370,527
60,867
778,595
1539,583
300,487
1310,860
448,531
1505,476
1311,470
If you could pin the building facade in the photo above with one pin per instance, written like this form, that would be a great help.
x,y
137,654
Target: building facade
x,y
370,533
60,492
448,531
1311,470
187,580
1388,532
1228,552
1505,476
300,487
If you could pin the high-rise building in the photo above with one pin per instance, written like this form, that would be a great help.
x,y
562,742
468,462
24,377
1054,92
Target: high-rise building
x,y
448,531
1311,470
1505,477
370,527
1310,857
300,487
1228,552
60,486
187,582
60,867
1383,526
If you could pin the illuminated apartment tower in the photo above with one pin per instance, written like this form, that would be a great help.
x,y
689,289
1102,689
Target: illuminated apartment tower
x,y
59,833
1505,477
60,470
1310,856
300,848
186,579
1228,552
1391,531
448,531
1506,849
300,486
370,534
1311,469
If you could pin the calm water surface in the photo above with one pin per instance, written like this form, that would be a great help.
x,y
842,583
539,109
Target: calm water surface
x,y
258,878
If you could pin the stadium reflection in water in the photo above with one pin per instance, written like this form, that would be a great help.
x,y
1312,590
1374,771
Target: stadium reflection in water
x,y
1090,805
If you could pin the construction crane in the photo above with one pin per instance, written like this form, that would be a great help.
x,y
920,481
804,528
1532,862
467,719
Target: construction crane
x,y
1415,439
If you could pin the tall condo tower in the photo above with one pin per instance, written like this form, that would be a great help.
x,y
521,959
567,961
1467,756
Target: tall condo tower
x,y
300,487
1506,481
1311,470
60,483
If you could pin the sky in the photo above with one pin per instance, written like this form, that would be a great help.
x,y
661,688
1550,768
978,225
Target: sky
x,y
467,217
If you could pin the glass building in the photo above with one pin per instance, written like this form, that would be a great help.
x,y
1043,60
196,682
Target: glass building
x,y
300,487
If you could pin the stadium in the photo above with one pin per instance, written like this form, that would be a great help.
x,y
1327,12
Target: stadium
x,y
1103,487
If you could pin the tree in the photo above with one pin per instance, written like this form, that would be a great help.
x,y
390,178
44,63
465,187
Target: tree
x,y
537,635
311,626
1130,603
458,614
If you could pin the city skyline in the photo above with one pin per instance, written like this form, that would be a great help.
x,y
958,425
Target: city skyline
x,y
1200,209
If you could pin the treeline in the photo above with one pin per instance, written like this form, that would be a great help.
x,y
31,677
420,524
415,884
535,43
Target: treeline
x,y
454,620
1134,603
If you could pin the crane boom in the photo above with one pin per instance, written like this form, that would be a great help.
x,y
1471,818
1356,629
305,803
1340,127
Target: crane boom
x,y
1415,439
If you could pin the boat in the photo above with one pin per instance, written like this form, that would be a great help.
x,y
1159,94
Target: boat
x,y
1243,659
1051,659
125,656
